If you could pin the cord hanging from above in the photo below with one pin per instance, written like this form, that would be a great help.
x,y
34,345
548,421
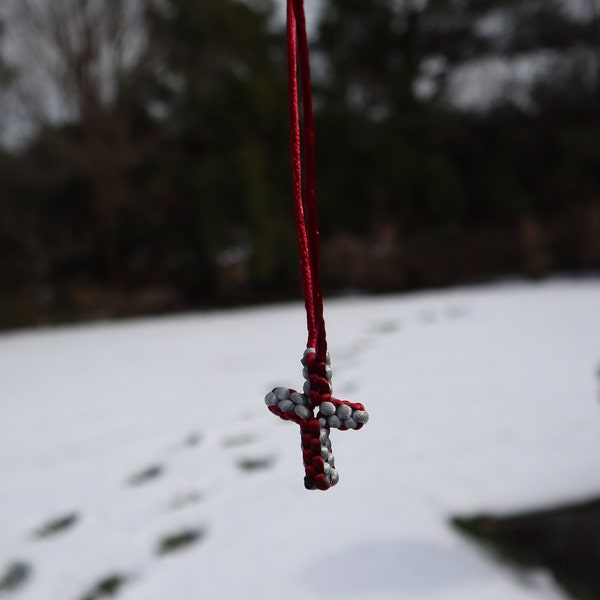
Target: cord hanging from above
x,y
288,404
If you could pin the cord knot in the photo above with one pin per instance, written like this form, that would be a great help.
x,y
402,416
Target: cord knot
x,y
318,375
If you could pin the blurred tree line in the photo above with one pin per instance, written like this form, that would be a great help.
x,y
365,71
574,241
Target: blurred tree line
x,y
155,171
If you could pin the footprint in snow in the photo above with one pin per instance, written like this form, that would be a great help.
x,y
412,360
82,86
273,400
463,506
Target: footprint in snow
x,y
57,525
108,587
185,499
427,317
149,474
387,326
459,311
235,441
351,352
254,464
180,540
192,440
14,577
455,312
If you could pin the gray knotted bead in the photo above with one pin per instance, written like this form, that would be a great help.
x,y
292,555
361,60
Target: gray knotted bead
x,y
334,421
350,423
286,405
306,353
303,411
343,411
282,393
271,399
360,416
297,398
327,408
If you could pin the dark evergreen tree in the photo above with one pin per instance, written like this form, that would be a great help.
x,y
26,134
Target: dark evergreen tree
x,y
224,96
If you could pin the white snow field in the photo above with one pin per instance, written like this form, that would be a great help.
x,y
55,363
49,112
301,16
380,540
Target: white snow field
x,y
115,436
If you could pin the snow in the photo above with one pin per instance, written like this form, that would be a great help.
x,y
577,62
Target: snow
x,y
481,399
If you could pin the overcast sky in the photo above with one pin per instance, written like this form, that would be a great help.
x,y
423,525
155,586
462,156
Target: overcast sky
x,y
311,8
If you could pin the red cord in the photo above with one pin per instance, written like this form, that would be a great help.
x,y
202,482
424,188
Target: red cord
x,y
319,467
303,174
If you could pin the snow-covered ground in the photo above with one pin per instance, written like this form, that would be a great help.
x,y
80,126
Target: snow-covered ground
x,y
480,399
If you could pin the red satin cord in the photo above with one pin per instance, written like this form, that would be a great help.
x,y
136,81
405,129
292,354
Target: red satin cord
x,y
286,403
303,174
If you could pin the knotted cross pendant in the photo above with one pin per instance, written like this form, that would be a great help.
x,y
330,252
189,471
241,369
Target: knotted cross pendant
x,y
290,405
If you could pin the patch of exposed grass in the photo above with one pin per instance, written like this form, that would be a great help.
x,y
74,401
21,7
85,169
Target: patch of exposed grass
x,y
562,540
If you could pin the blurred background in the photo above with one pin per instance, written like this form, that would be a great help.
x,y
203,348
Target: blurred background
x,y
144,149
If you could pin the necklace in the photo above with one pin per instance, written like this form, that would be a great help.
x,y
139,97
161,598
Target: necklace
x,y
288,404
